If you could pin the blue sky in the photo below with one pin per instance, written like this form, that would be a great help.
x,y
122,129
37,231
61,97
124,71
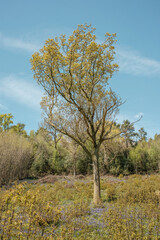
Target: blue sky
x,y
25,25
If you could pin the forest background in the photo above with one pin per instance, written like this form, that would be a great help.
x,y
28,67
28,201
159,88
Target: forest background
x,y
42,152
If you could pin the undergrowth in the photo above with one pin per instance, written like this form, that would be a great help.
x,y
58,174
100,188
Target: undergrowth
x,y
130,210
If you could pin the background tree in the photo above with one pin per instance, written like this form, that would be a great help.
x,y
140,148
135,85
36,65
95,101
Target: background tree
x,y
139,157
19,128
72,147
142,134
154,153
43,151
115,157
48,103
128,132
5,121
75,72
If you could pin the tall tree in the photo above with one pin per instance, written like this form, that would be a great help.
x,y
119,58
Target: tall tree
x,y
75,73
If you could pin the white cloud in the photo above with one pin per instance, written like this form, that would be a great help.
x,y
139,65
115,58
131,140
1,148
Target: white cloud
x,y
22,91
133,63
2,107
18,43
139,115
121,117
130,61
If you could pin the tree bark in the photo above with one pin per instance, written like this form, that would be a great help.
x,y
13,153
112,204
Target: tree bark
x,y
96,178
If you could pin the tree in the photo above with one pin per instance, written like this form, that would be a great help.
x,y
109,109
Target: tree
x,y
73,150
154,153
5,121
115,159
19,128
142,134
43,151
74,73
128,132
139,157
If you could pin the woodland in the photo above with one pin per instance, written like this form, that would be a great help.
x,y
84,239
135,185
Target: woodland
x,y
45,152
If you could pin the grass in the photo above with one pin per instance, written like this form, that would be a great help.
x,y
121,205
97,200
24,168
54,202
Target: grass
x,y
63,210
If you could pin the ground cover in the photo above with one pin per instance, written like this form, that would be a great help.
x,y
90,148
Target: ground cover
x,y
62,209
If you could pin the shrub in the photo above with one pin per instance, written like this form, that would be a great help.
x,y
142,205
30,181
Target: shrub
x,y
15,157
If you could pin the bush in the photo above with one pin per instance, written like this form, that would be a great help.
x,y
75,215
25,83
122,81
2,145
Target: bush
x,y
139,189
15,157
111,192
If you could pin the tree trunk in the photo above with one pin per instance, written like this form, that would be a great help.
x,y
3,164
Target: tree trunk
x,y
96,178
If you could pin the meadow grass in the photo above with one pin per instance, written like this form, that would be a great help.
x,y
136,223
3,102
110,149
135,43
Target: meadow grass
x,y
64,210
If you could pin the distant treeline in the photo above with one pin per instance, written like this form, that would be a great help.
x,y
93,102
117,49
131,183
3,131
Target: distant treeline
x,y
47,152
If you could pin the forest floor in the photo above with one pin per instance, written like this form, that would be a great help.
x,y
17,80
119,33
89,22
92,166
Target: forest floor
x,y
70,178
61,208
